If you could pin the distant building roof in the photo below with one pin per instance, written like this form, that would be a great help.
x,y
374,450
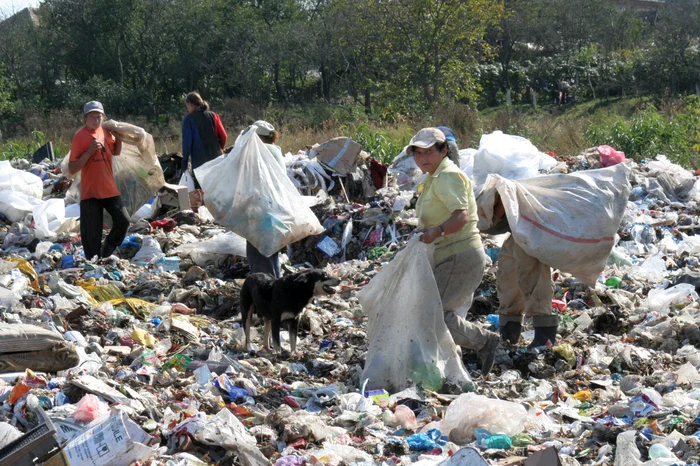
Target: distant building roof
x,y
24,16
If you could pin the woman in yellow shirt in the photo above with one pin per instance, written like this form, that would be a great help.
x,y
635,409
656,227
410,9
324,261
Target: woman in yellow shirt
x,y
446,210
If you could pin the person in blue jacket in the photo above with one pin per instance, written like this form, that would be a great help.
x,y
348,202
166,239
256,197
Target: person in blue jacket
x,y
203,135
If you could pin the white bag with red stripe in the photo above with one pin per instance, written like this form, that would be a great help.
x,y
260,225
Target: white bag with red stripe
x,y
566,221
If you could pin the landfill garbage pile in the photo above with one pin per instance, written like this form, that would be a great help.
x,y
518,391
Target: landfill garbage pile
x,y
139,359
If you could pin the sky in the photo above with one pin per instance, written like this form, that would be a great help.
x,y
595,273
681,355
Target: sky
x,y
8,7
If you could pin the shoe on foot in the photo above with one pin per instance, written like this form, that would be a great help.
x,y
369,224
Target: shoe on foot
x,y
510,332
487,354
542,336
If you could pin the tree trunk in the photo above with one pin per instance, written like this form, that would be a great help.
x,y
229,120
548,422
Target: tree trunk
x,y
590,84
368,101
533,98
121,65
278,86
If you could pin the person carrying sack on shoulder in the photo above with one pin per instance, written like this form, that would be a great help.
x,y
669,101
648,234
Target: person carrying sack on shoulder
x,y
257,261
91,154
203,139
446,210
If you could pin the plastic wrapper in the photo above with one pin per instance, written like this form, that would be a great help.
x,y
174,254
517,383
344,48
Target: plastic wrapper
x,y
90,408
270,212
408,339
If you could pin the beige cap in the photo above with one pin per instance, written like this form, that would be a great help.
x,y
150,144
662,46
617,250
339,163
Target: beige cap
x,y
427,137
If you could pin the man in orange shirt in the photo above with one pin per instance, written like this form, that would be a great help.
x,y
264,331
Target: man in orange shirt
x,y
91,154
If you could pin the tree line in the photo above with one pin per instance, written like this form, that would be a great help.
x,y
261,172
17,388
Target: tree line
x,y
391,56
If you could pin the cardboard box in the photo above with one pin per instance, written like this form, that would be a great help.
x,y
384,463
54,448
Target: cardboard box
x,y
173,195
338,154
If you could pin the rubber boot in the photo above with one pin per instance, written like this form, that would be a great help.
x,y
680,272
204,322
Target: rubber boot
x,y
487,354
542,336
510,332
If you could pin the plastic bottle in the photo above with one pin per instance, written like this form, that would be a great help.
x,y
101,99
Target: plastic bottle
x,y
659,450
613,282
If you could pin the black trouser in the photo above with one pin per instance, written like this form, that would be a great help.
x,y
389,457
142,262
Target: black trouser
x,y
91,222
260,263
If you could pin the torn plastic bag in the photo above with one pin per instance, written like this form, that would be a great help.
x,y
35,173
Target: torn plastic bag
x,y
568,222
660,300
470,411
225,430
407,172
20,181
408,339
227,243
137,171
16,205
249,193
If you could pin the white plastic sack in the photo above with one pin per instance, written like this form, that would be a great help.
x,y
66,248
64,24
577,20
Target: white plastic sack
x,y
20,181
408,339
568,222
466,162
470,411
249,193
15,205
48,217
137,171
512,157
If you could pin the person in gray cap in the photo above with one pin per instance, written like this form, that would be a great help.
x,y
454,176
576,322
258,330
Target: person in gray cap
x,y
446,210
256,260
91,152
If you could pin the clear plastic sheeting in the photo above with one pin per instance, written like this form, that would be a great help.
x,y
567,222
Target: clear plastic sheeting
x,y
250,194
408,340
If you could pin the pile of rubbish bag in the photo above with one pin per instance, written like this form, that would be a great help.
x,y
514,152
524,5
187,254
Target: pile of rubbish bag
x,y
139,358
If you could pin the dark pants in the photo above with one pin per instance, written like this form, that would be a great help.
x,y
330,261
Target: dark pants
x,y
91,222
260,263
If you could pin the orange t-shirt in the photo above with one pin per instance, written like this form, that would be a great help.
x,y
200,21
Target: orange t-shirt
x,y
96,176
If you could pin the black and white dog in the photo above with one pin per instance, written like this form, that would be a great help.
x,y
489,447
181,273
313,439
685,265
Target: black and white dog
x,y
281,300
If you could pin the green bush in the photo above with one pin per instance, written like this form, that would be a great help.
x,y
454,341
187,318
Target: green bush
x,y
379,144
14,149
649,133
